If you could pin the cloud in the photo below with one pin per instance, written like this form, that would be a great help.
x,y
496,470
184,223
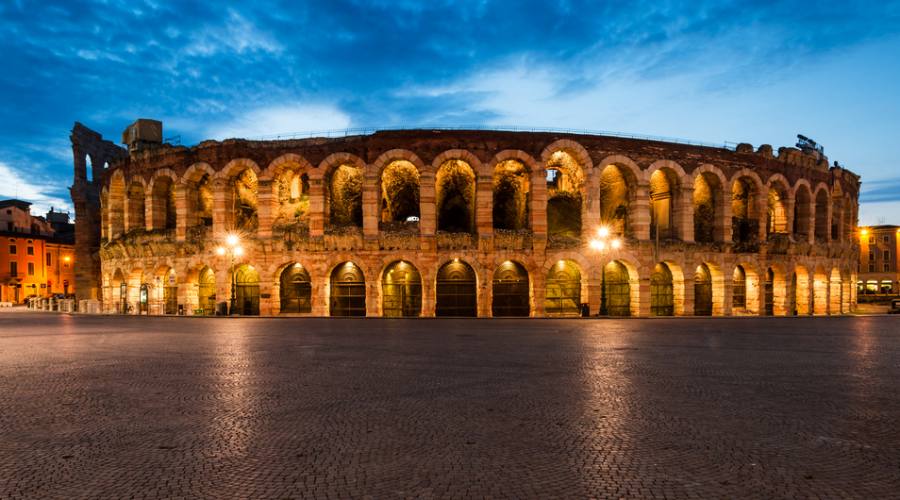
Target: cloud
x,y
237,34
268,121
882,190
28,187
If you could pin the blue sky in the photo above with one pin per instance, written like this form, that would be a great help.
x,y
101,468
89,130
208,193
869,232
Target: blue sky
x,y
741,71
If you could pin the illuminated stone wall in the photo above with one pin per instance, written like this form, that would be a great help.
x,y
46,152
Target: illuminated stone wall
x,y
426,198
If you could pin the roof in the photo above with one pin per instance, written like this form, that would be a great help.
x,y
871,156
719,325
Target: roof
x,y
24,205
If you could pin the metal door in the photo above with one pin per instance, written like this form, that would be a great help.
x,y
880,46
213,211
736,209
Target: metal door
x,y
456,290
510,291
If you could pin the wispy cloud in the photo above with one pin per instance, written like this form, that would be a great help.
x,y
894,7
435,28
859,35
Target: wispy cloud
x,y
28,187
281,119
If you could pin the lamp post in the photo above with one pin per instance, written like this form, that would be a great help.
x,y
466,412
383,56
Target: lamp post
x,y
602,243
233,249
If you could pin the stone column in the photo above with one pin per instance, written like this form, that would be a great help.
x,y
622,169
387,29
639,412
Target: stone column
x,y
644,291
789,216
723,216
688,304
371,207
220,207
373,298
762,209
428,295
266,207
316,206
538,209
538,293
484,215
267,305
727,293
639,213
181,212
595,292
484,297
427,211
684,214
149,208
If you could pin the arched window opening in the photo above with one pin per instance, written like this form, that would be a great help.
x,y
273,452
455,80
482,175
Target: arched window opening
x,y
836,223
662,291
400,196
739,288
616,300
456,290
511,296
295,290
663,200
119,292
777,222
134,210
512,196
821,230
563,295
163,204
206,292
703,291
706,203
243,201
744,220
348,291
170,292
200,201
401,288
802,213
455,192
246,291
292,192
565,184
615,194
769,293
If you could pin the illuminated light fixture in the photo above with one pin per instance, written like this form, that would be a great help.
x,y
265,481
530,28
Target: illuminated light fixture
x,y
603,231
456,259
232,240
67,258
598,245
864,232
615,244
239,251
220,251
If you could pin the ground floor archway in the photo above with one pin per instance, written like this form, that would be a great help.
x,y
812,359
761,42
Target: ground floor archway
x,y
510,291
295,290
456,290
401,290
348,291
246,291
563,293
662,291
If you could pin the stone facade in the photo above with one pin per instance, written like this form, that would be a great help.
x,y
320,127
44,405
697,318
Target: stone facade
x,y
476,219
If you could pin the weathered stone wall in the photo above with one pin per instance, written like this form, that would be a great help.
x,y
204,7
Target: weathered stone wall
x,y
609,177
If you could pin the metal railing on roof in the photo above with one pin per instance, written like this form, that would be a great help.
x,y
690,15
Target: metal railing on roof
x,y
347,132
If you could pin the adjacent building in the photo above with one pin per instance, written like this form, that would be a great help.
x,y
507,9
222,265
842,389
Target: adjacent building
x,y
37,255
878,261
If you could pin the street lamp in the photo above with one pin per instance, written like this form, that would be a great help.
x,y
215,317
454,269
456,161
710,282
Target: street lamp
x,y
602,243
233,249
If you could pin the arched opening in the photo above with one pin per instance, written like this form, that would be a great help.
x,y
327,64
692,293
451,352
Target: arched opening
x,y
769,293
615,196
663,200
616,299
116,210
206,292
292,196
563,294
401,288
295,290
134,207
243,201
803,217
744,219
162,203
820,292
512,196
400,196
662,291
835,295
199,201
703,291
119,292
456,290
821,230
801,291
777,216
739,289
707,201
348,290
246,291
565,185
455,195
169,285
511,296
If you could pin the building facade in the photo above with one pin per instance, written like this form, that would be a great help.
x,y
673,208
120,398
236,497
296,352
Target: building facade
x,y
465,223
878,261
36,254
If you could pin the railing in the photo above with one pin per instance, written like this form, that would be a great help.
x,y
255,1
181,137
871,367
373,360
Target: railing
x,y
358,131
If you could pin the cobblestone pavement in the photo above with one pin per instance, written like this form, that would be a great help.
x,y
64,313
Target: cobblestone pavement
x,y
96,407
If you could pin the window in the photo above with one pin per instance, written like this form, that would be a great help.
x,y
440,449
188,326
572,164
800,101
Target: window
x,y
31,269
886,239
49,259
13,269
871,240
9,227
886,287
887,266
871,266
30,251
12,249
871,287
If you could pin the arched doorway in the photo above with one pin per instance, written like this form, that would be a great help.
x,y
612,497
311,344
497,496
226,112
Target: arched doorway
x,y
769,293
739,289
170,293
119,289
616,299
563,295
295,290
348,290
246,291
206,293
703,291
662,291
510,291
401,289
456,290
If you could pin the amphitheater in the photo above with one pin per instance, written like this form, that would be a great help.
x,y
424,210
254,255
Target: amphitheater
x,y
461,223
